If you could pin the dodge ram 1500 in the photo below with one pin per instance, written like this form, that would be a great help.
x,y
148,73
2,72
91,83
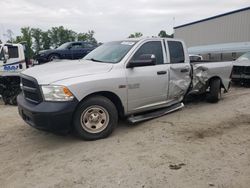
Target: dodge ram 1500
x,y
134,78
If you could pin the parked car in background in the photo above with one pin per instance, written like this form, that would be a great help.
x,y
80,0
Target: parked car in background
x,y
241,69
194,57
69,50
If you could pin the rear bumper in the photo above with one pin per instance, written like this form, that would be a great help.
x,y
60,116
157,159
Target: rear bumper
x,y
240,78
241,73
50,116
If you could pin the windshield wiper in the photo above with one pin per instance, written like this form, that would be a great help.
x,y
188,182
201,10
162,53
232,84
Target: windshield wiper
x,y
95,60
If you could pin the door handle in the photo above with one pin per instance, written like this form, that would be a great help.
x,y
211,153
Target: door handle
x,y
185,70
161,72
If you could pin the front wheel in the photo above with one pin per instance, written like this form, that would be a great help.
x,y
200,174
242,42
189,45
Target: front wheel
x,y
95,118
52,57
215,91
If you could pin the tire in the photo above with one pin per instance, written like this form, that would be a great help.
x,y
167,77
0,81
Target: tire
x,y
53,56
5,100
10,97
215,91
95,118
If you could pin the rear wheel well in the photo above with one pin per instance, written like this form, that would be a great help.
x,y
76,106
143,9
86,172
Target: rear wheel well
x,y
112,97
214,78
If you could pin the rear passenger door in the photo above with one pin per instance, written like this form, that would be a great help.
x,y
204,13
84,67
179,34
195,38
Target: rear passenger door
x,y
180,69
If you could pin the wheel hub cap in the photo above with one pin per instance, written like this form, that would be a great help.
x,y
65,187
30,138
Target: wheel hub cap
x,y
94,119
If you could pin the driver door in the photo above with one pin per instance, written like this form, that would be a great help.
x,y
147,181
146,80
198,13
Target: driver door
x,y
148,85
78,50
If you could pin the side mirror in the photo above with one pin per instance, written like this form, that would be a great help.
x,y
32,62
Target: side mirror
x,y
143,60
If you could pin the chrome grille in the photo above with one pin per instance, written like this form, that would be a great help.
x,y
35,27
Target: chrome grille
x,y
31,90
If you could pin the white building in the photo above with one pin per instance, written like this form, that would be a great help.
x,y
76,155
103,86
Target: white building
x,y
221,37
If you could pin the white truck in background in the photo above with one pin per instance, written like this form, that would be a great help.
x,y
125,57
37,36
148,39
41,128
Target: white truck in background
x,y
12,62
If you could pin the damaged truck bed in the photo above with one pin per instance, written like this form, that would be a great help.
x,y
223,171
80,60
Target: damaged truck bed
x,y
138,79
204,72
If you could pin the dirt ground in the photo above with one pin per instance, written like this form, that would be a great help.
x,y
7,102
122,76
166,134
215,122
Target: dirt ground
x,y
202,145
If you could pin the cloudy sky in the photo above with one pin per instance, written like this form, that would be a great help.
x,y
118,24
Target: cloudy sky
x,y
110,19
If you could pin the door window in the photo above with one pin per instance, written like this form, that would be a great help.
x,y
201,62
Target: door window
x,y
13,51
76,46
176,52
88,45
153,47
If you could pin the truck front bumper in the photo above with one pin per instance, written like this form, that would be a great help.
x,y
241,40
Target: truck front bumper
x,y
50,116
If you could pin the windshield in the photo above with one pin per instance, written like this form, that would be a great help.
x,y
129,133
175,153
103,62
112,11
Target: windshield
x,y
111,52
64,46
244,57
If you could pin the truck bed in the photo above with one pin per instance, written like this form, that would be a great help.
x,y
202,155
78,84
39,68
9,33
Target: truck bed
x,y
204,71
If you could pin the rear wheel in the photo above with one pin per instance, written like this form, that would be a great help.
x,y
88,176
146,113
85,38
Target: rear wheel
x,y
215,91
95,118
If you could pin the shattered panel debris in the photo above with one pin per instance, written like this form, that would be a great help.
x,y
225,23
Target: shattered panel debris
x,y
200,76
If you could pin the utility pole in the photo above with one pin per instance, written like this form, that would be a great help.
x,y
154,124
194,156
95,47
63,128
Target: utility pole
x,y
173,24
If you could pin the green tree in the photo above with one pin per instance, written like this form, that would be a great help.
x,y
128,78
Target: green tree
x,y
60,35
163,34
46,40
89,37
37,39
26,39
18,39
135,35
37,36
81,37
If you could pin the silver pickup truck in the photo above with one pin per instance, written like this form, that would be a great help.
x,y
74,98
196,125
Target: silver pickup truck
x,y
134,78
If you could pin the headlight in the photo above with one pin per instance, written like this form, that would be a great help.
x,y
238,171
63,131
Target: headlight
x,y
57,93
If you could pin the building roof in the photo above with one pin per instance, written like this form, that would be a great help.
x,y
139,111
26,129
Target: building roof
x,y
220,48
213,17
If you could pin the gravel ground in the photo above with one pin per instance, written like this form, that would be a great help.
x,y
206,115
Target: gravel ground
x,y
203,145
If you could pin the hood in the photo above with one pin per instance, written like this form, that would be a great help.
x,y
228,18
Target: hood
x,y
60,70
46,51
241,63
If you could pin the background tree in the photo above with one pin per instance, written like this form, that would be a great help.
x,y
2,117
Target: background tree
x,y
163,34
26,38
60,35
35,39
46,40
9,35
37,36
89,37
135,35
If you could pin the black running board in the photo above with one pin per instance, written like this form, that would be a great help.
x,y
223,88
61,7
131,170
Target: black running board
x,y
155,114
